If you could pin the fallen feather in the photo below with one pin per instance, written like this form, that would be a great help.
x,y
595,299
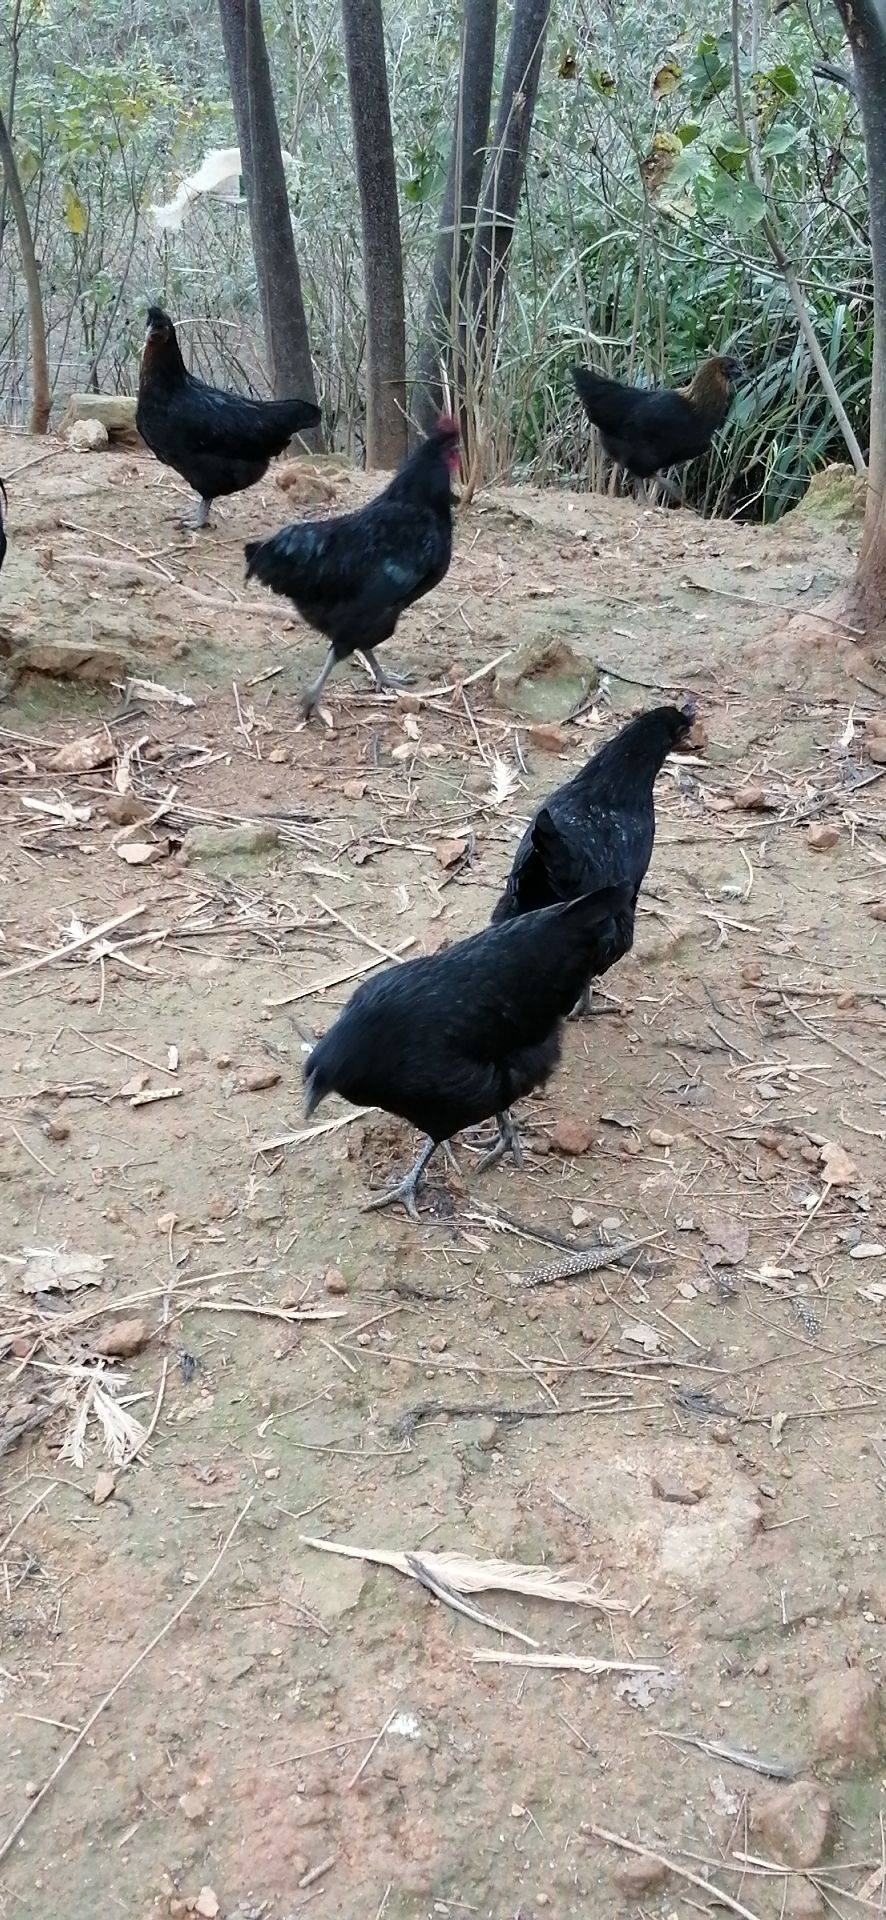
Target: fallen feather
x,y
123,1434
464,1574
503,782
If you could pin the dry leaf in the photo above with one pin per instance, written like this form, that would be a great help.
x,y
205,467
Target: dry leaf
x,y
642,1336
152,692
848,734
84,755
410,726
776,1428
48,1272
105,1486
405,751
450,852
837,1167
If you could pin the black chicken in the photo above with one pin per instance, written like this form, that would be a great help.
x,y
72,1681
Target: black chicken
x,y
598,831
649,429
452,1038
219,442
351,577
3,540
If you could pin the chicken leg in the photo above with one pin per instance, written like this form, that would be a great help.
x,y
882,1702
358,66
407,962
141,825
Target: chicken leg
x,y
508,1142
405,1190
195,522
312,693
583,1003
385,682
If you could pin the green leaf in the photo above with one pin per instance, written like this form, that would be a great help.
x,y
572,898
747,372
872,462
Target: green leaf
x,y
75,213
783,79
739,201
688,132
602,81
780,139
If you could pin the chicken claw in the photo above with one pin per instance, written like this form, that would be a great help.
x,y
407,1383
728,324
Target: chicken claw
x,y
508,1142
405,1190
385,681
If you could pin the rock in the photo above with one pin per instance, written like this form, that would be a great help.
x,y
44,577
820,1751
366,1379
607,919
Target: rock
x,y
105,1487
821,838
122,1339
657,1138
214,843
114,412
571,1136
194,1806
846,1711
639,1874
545,677
91,750
487,1436
750,798
878,910
793,1821
548,739
837,1166
124,809
836,494
876,746
335,1281
875,724
450,852
206,1904
88,436
261,1078
94,662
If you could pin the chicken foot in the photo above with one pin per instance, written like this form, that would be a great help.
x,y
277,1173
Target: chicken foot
x,y
583,1003
508,1142
195,522
386,682
312,693
405,1190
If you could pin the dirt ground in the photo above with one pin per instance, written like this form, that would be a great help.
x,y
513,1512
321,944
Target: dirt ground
x,y
234,1721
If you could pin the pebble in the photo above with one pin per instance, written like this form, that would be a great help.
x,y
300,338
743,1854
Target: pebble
x,y
194,1806
487,1436
122,1339
846,1711
335,1281
260,1078
793,1821
206,1904
639,1874
821,838
571,1135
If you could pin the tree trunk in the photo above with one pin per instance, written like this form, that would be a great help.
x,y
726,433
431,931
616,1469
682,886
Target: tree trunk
x,y
382,255
287,342
40,401
443,312
865,25
506,169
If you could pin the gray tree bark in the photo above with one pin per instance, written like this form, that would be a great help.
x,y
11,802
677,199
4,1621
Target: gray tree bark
x,y
386,430
284,322
865,25
40,400
443,317
506,169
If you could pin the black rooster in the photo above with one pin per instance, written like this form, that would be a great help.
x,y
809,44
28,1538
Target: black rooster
x,y
219,442
3,540
351,577
649,429
598,831
452,1038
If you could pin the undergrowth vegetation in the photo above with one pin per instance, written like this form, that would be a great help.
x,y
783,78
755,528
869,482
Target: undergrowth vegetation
x,y
677,161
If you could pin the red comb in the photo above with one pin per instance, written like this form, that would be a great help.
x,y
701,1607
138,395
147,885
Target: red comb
x,y
446,424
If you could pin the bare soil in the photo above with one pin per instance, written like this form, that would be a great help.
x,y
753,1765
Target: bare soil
x,y
699,1432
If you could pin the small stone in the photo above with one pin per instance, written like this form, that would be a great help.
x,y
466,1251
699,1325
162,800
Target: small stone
x,y
438,1343
750,798
548,739
639,1874
760,1667
487,1436
261,1078
194,1806
793,1821
211,842
580,1216
354,789
847,1715
279,757
657,1138
122,1339
752,973
206,1904
105,1485
223,1060
878,910
334,1281
31,1789
88,436
56,1129
571,1136
877,749
821,838
844,1002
